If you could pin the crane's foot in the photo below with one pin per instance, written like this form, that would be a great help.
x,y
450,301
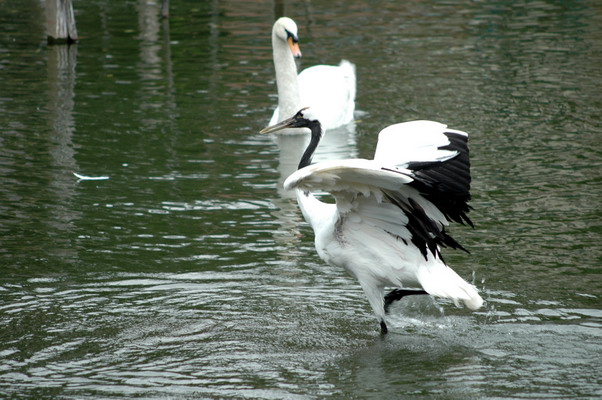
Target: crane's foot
x,y
383,327
398,294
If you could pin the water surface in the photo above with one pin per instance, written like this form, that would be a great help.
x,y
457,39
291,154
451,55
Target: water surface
x,y
190,273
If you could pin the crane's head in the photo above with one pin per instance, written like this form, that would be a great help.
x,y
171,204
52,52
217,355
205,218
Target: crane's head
x,y
304,118
286,29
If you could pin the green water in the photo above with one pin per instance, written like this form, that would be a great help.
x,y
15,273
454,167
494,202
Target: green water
x,y
189,273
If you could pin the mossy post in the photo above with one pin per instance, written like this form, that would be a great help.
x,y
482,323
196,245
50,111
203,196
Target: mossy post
x,y
165,9
60,22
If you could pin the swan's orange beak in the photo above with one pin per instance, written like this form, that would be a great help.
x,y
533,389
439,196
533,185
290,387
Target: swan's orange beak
x,y
294,48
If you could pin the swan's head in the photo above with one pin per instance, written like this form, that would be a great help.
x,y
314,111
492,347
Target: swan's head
x,y
304,118
285,29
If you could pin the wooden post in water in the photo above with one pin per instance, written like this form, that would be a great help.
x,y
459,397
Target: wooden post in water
x,y
165,9
60,22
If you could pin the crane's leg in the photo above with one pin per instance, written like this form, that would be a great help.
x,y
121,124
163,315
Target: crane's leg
x,y
395,295
383,327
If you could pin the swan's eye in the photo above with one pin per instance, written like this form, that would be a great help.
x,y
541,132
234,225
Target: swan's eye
x,y
291,36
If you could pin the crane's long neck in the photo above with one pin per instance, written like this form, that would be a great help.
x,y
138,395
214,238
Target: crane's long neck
x,y
318,214
286,78
315,212
316,134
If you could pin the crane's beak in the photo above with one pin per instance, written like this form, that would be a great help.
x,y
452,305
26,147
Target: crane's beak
x,y
294,45
287,123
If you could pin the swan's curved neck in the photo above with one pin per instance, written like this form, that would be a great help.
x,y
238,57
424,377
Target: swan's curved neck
x,y
316,134
286,78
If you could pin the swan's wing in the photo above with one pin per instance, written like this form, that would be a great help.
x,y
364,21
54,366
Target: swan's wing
x,y
397,200
330,91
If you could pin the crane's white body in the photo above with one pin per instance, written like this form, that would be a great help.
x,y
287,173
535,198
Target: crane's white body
x,y
368,231
328,89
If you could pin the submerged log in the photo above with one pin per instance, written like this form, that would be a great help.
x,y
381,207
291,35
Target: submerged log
x,y
60,22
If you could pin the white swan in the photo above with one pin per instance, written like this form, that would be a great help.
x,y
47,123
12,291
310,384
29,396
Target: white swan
x,y
328,89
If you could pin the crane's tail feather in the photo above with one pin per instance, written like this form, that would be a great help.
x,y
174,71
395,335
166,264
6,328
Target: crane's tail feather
x,y
440,280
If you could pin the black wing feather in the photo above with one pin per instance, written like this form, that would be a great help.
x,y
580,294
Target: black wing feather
x,y
446,184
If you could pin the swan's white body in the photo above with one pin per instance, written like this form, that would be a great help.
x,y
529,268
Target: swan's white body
x,y
329,90
389,220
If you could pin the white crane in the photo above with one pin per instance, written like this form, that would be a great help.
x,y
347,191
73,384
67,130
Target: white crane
x,y
389,220
327,88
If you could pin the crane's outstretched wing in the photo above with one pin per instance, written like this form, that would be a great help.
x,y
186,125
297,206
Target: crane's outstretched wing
x,y
412,142
439,159
411,197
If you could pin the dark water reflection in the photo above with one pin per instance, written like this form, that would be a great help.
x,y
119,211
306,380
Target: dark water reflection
x,y
190,274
